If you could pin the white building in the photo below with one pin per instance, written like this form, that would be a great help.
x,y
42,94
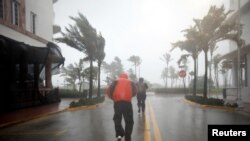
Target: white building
x,y
28,21
241,90
27,55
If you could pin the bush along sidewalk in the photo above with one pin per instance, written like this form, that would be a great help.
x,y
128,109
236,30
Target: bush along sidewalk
x,y
87,102
209,101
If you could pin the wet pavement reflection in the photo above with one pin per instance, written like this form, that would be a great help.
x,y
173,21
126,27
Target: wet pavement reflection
x,y
176,119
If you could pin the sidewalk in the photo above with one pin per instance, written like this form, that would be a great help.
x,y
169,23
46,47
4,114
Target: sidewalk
x,y
26,114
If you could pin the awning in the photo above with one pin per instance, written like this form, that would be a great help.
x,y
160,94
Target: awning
x,y
243,51
15,52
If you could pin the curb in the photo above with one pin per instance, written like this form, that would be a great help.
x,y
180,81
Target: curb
x,y
210,106
87,107
82,108
29,118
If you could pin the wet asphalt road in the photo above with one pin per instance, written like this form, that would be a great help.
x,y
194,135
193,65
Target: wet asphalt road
x,y
168,118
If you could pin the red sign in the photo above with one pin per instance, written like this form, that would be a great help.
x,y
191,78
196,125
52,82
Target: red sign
x,y
182,73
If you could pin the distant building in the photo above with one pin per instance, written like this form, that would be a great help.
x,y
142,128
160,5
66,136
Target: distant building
x,y
27,55
241,12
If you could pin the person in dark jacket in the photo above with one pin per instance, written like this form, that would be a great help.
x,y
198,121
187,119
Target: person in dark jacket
x,y
141,96
121,92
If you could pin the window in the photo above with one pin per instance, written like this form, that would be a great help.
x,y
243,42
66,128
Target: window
x,y
15,12
1,9
33,22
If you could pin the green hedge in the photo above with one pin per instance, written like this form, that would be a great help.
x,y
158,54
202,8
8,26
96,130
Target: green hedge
x,y
205,101
85,102
67,93
182,90
175,90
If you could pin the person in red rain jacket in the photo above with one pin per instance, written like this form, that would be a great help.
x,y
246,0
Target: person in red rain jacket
x,y
121,92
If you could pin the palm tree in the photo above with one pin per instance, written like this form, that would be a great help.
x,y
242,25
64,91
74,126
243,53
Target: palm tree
x,y
136,60
114,69
172,75
166,58
225,66
212,28
212,48
131,75
183,61
83,37
100,55
191,45
216,61
70,75
74,72
164,75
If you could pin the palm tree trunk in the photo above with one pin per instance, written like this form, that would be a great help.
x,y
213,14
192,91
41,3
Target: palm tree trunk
x,y
216,77
167,77
195,76
210,71
205,77
135,71
99,80
91,78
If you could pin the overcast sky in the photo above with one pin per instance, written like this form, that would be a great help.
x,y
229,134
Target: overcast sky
x,y
145,28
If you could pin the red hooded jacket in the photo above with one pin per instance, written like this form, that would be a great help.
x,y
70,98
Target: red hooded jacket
x,y
122,89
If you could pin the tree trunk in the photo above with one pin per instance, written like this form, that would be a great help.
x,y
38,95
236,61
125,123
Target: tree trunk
x,y
210,71
195,76
99,80
135,72
184,85
80,86
91,78
216,77
167,77
205,77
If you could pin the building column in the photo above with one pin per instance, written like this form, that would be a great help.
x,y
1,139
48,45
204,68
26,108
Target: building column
x,y
48,82
36,80
235,73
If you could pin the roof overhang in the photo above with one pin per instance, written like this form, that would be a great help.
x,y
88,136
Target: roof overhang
x,y
232,55
17,52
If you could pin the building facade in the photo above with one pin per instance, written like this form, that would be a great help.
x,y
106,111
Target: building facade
x,y
27,55
240,72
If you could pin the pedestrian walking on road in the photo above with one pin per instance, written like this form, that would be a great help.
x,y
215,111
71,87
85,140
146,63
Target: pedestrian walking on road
x,y
121,92
141,96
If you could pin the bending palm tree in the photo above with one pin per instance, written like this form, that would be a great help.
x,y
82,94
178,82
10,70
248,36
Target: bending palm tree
x,y
212,29
191,45
100,55
83,37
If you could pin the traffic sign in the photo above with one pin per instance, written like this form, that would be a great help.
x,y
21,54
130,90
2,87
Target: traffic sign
x,y
182,73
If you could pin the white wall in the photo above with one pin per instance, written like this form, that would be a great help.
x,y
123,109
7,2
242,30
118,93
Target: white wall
x,y
8,32
45,17
245,19
234,4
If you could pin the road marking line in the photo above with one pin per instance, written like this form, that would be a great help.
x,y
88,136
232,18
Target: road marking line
x,y
156,129
147,136
56,133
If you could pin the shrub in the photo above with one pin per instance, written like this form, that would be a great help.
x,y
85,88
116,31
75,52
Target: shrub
x,y
67,93
205,101
175,90
233,105
85,102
